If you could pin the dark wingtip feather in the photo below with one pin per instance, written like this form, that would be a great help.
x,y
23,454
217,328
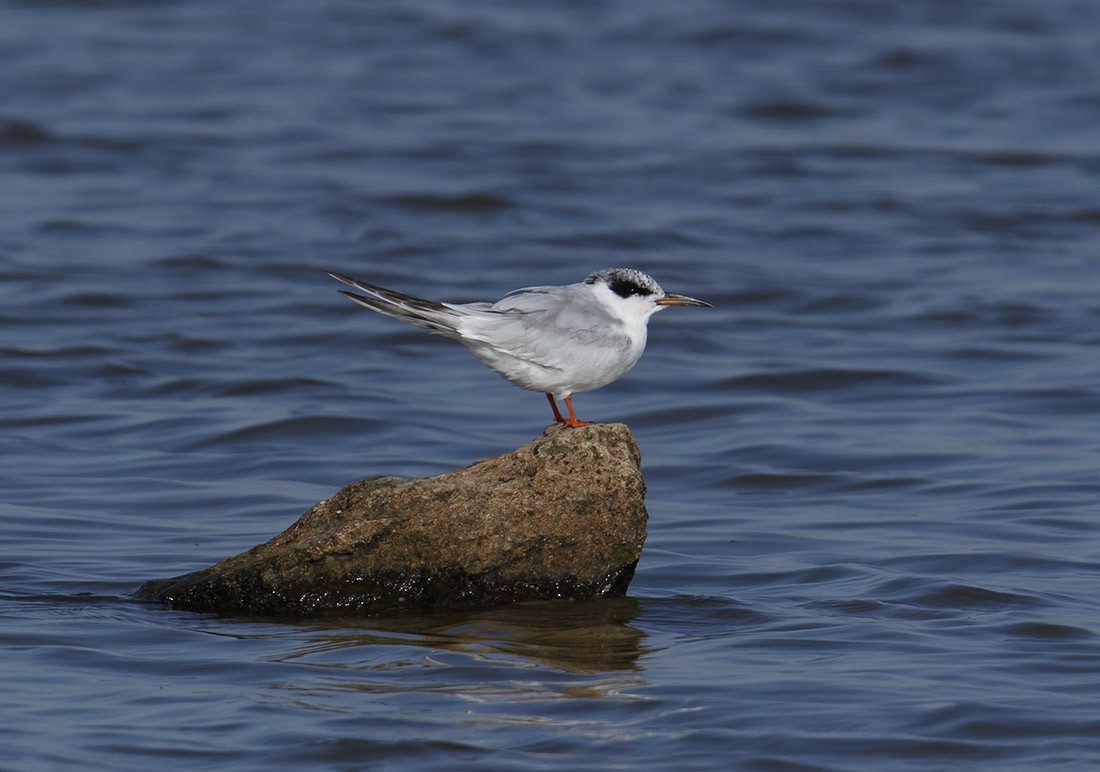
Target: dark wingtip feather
x,y
340,277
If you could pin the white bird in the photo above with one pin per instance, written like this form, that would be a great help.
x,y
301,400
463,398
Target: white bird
x,y
557,340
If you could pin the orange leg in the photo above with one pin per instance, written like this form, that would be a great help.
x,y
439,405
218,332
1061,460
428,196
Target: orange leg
x,y
572,421
554,406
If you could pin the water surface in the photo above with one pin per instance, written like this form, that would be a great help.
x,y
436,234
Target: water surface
x,y
872,466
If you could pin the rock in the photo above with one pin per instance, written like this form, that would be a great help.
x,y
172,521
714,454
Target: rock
x,y
561,517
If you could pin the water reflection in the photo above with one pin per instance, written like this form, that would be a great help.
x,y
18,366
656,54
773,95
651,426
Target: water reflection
x,y
577,637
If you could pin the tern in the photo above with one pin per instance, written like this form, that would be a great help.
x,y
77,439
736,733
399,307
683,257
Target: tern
x,y
556,340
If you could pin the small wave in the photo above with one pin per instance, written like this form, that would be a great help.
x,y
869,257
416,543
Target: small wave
x,y
826,379
463,203
21,133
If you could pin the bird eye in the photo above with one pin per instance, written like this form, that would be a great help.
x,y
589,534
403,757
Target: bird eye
x,y
625,288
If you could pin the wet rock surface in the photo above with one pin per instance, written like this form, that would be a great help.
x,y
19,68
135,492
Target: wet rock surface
x,y
560,517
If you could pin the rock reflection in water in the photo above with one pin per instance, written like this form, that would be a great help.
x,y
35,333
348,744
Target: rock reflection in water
x,y
577,637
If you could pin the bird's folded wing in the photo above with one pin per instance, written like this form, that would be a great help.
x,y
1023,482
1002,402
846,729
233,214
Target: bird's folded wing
x,y
541,326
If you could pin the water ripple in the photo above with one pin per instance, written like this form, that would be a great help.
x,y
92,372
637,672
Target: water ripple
x,y
871,467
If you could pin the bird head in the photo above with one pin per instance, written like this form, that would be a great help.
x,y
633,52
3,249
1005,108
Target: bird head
x,y
636,293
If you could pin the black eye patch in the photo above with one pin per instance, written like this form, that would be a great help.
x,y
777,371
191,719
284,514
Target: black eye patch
x,y
624,288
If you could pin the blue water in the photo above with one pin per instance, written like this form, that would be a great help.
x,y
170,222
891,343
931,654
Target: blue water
x,y
873,492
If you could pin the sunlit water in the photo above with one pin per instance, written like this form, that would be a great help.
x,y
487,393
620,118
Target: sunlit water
x,y
872,468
